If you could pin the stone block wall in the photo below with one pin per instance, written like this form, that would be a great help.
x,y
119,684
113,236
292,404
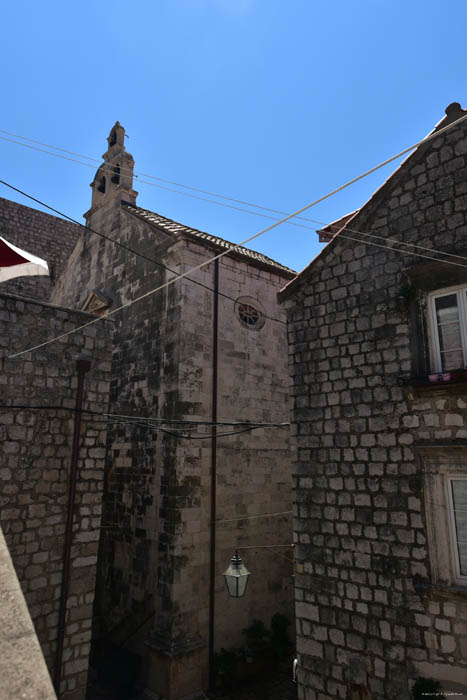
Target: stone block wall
x,y
41,234
372,611
141,353
253,476
154,551
133,557
35,466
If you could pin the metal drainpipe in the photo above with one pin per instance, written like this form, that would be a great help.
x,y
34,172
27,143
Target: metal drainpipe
x,y
212,566
82,366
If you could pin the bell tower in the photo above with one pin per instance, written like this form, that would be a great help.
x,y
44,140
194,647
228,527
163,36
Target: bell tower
x,y
113,181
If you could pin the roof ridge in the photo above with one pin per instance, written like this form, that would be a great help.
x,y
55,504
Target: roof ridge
x,y
252,255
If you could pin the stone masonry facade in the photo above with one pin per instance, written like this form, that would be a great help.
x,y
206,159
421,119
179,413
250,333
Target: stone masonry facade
x,y
153,573
371,436
35,466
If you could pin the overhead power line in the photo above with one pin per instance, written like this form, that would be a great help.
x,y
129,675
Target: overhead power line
x,y
254,517
338,226
156,423
130,417
167,181
124,246
213,194
397,242
110,169
247,240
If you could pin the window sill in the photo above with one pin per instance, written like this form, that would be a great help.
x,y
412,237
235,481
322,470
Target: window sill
x,y
439,591
422,386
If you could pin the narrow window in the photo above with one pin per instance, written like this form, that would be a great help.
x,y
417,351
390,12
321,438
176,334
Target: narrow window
x,y
457,505
116,175
448,317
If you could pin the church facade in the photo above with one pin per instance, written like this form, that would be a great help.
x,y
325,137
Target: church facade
x,y
185,486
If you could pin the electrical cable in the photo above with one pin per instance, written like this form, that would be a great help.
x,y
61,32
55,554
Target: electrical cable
x,y
254,517
239,201
127,247
110,169
148,425
201,284
210,435
247,240
161,179
398,250
179,434
345,228
250,204
129,418
267,546
184,275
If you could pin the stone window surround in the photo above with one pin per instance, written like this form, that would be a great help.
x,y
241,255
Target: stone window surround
x,y
250,301
439,463
460,578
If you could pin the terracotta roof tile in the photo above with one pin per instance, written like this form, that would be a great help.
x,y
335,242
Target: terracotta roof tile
x,y
175,228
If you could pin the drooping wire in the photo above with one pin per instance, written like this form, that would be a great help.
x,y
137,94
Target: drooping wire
x,y
197,189
156,423
161,179
250,238
110,169
127,247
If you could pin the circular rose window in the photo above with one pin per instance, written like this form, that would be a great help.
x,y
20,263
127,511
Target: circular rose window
x,y
249,315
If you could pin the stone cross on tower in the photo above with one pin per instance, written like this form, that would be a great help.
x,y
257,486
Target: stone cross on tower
x,y
113,181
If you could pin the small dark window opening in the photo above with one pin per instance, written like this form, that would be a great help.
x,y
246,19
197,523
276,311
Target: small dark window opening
x,y
101,187
116,176
113,139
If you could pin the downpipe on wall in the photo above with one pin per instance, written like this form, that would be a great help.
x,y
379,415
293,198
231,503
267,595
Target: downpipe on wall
x,y
212,563
82,367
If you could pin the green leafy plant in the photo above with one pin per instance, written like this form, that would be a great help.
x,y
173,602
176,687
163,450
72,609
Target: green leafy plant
x,y
424,687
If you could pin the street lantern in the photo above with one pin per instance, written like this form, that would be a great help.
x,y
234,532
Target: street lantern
x,y
236,577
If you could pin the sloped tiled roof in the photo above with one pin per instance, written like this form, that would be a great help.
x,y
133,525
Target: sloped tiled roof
x,y
329,231
453,112
174,228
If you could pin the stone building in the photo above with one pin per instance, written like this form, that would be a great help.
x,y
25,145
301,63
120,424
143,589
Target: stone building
x,y
377,351
44,235
208,349
35,466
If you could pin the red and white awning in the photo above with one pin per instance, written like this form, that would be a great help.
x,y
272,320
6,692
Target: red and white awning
x,y
15,262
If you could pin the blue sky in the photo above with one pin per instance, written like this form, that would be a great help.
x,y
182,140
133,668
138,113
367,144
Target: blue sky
x,y
267,101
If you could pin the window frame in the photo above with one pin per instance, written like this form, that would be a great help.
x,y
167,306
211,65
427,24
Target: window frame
x,y
439,464
459,578
435,349
255,304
